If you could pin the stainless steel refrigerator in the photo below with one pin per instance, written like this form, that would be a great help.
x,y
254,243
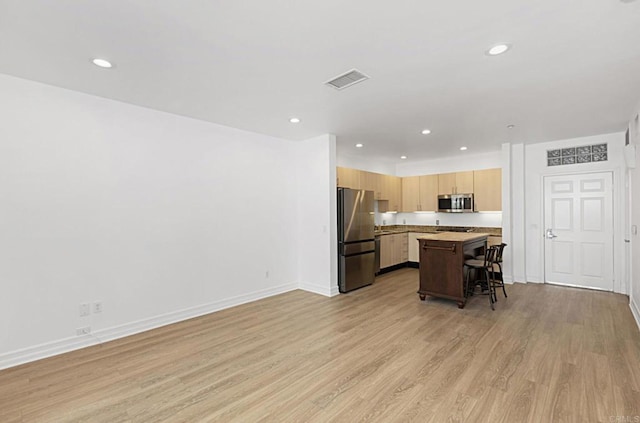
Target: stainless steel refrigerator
x,y
356,240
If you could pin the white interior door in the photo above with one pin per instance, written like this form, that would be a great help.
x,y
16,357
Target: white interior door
x,y
579,230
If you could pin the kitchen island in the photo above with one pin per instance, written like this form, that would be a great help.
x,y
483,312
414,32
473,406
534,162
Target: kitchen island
x,y
442,257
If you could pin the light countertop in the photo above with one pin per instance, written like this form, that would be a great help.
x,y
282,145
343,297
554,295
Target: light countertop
x,y
428,229
454,236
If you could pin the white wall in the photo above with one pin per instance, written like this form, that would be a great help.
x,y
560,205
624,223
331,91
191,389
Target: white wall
x,y
514,202
451,164
507,227
369,165
158,216
317,216
634,288
535,168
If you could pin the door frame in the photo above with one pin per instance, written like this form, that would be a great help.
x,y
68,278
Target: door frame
x,y
618,197
613,227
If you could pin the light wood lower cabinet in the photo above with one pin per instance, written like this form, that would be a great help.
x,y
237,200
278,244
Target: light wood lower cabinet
x,y
393,250
404,250
387,247
414,251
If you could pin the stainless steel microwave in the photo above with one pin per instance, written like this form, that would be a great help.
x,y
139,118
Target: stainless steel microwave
x,y
455,203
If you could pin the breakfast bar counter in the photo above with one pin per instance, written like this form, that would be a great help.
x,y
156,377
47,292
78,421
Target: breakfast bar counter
x,y
442,257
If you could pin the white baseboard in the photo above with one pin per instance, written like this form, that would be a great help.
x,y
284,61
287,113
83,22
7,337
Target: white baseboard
x,y
635,310
38,352
319,289
532,279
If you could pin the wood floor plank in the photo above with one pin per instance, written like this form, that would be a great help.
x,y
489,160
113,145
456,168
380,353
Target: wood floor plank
x,y
378,354
560,404
598,389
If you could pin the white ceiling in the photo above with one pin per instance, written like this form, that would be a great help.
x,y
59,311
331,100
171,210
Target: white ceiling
x,y
574,68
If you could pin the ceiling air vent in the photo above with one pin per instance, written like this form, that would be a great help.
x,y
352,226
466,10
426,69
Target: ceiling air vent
x,y
347,79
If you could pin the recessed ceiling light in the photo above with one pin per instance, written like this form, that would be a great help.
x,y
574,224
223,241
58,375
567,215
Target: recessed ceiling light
x,y
294,120
403,157
102,63
426,131
511,126
359,145
498,49
463,148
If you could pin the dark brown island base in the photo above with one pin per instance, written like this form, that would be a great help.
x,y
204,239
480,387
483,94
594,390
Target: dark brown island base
x,y
442,257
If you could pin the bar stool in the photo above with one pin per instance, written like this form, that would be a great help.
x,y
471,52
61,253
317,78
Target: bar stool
x,y
499,280
485,265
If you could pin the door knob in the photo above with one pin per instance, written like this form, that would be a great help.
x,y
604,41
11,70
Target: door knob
x,y
550,235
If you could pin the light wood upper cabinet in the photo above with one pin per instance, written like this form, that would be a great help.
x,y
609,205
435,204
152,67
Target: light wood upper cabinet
x,y
464,182
387,189
455,183
488,190
420,193
446,183
411,194
348,178
371,182
429,193
392,192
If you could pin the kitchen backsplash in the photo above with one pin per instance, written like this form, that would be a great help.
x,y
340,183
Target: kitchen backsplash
x,y
486,219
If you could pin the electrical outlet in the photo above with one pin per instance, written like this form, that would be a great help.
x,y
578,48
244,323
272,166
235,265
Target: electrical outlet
x,y
97,307
85,309
266,275
83,331
437,222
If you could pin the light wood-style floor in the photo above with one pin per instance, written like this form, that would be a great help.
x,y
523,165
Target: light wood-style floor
x,y
547,354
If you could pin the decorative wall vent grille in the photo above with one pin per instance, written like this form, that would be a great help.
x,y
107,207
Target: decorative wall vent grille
x,y
347,79
574,155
